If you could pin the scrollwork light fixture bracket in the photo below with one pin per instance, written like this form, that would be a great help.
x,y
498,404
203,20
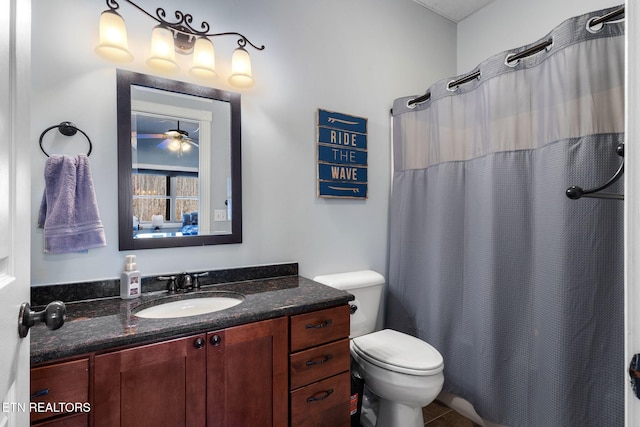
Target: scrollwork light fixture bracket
x,y
178,36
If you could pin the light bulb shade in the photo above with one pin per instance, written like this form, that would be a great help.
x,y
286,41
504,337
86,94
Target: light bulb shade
x,y
174,144
204,62
241,69
113,38
163,50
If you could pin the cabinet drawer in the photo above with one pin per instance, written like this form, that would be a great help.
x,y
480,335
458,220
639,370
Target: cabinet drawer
x,y
319,327
324,403
62,382
78,420
319,362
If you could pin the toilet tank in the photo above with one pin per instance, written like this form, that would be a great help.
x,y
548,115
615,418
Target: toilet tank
x,y
366,286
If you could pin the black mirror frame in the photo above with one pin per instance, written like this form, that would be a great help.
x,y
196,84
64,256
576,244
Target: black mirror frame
x,y
125,215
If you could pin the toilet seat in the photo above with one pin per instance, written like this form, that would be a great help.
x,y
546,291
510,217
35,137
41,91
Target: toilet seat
x,y
398,352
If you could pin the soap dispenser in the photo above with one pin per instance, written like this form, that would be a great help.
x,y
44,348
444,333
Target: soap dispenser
x,y
130,286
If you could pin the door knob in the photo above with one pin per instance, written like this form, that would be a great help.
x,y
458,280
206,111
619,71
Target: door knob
x,y
52,316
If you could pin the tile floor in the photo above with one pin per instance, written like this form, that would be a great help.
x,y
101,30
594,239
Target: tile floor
x,y
439,415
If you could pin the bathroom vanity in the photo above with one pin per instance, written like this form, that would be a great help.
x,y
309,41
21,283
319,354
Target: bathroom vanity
x,y
279,358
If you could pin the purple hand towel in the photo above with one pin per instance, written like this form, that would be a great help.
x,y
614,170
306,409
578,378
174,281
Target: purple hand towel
x,y
69,211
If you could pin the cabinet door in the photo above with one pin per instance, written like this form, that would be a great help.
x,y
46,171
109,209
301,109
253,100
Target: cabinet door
x,y
247,379
152,385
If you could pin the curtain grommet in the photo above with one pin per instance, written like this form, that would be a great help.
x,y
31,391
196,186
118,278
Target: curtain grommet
x,y
507,60
593,29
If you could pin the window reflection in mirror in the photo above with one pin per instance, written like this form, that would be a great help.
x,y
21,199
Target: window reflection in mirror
x,y
179,163
165,175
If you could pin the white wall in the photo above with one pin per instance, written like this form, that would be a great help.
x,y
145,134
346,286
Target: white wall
x,y
351,56
509,24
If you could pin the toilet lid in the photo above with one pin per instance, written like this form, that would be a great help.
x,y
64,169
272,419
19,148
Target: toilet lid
x,y
398,352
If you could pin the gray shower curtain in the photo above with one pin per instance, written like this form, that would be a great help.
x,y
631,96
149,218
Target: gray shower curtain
x,y
519,287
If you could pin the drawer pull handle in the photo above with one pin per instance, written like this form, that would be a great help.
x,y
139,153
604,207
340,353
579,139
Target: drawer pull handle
x,y
40,393
325,394
319,325
321,361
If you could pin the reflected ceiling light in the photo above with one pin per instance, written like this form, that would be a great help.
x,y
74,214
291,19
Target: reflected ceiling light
x,y
170,37
179,140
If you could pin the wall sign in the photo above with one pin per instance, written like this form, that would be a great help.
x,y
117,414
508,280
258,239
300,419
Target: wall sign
x,y
342,155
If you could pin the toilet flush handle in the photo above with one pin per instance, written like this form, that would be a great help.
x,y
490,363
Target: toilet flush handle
x,y
353,308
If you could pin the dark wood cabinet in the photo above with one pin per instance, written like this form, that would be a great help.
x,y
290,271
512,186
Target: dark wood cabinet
x,y
233,377
319,378
247,375
152,385
272,373
63,382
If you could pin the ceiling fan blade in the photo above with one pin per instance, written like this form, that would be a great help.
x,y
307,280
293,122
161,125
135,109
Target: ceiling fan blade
x,y
164,144
151,136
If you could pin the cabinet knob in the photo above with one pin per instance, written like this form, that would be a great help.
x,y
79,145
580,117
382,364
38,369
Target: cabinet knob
x,y
215,340
199,343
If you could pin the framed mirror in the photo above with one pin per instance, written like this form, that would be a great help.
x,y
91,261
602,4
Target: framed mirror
x,y
179,164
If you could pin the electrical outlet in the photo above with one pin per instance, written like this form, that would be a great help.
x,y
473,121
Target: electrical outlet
x,y
219,214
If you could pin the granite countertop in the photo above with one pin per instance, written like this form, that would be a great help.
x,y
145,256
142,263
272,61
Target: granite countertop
x,y
102,324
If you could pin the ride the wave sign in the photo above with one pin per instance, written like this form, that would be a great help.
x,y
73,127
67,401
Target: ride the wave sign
x,y
342,155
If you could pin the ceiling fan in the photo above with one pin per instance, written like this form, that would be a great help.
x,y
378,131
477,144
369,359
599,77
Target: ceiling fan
x,y
176,140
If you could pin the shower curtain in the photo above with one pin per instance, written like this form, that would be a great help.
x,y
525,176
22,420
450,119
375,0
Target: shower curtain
x,y
517,286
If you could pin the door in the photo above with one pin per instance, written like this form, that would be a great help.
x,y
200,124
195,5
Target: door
x,y
15,181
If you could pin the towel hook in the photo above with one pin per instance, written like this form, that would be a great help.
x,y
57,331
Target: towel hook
x,y
574,192
67,129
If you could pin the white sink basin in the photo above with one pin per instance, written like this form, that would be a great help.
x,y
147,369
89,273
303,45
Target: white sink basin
x,y
188,307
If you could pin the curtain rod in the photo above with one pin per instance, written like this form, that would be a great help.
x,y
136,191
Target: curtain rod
x,y
453,84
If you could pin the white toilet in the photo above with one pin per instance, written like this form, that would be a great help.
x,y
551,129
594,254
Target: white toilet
x,y
404,372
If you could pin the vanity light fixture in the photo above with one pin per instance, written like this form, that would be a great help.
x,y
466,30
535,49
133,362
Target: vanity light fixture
x,y
170,37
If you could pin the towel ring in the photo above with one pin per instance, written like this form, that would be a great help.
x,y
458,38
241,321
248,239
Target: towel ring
x,y
67,129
